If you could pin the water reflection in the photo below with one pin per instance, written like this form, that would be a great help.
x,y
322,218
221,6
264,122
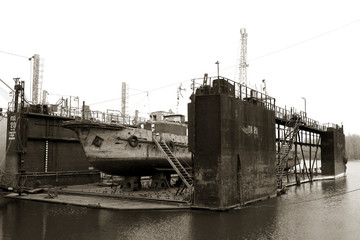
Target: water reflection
x,y
321,210
145,225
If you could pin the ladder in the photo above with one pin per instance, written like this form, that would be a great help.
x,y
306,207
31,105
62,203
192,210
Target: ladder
x,y
174,162
291,132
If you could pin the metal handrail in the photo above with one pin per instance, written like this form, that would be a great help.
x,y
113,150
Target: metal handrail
x,y
246,93
243,92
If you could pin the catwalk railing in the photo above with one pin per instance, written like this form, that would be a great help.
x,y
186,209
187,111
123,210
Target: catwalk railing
x,y
218,84
77,113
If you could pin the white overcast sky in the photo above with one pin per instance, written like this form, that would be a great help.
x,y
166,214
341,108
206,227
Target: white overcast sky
x,y
304,49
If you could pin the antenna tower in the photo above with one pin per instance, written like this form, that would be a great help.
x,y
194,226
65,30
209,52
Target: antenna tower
x,y
124,99
38,70
243,57
36,74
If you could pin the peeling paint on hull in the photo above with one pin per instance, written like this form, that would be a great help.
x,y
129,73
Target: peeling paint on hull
x,y
110,150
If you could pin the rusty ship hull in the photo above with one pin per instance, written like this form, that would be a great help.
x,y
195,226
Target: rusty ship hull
x,y
130,150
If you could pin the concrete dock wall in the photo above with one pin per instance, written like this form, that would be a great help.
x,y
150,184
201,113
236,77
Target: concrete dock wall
x,y
51,147
234,150
333,158
43,152
12,161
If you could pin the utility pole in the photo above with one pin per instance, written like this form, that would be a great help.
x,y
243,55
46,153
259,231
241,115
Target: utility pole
x,y
36,75
305,106
124,100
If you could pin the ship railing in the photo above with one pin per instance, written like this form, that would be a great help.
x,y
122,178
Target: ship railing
x,y
112,117
63,111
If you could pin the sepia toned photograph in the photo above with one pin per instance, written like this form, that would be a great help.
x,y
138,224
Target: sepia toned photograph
x,y
151,120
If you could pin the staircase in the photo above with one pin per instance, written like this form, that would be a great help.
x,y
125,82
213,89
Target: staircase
x,y
286,144
174,162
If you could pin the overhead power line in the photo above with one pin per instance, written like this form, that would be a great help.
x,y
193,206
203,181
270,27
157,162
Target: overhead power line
x,y
14,54
142,92
228,67
306,40
298,43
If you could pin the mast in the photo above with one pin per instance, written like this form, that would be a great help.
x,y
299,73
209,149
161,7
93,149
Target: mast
x,y
243,57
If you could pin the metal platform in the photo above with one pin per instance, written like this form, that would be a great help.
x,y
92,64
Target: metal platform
x,y
109,197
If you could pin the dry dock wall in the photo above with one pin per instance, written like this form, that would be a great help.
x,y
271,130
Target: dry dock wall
x,y
333,158
3,128
42,152
233,142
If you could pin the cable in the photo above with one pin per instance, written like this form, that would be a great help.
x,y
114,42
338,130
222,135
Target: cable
x,y
306,40
170,85
110,100
298,43
142,92
138,103
254,59
14,54
4,94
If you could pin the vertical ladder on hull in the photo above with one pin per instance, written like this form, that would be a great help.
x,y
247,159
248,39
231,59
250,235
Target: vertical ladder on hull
x,y
292,130
174,162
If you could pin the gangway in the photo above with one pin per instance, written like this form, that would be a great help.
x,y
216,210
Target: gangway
x,y
174,162
293,127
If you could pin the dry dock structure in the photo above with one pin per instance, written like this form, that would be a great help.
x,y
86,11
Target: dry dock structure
x,y
39,151
244,148
242,143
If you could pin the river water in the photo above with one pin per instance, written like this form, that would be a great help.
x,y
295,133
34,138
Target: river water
x,y
327,209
